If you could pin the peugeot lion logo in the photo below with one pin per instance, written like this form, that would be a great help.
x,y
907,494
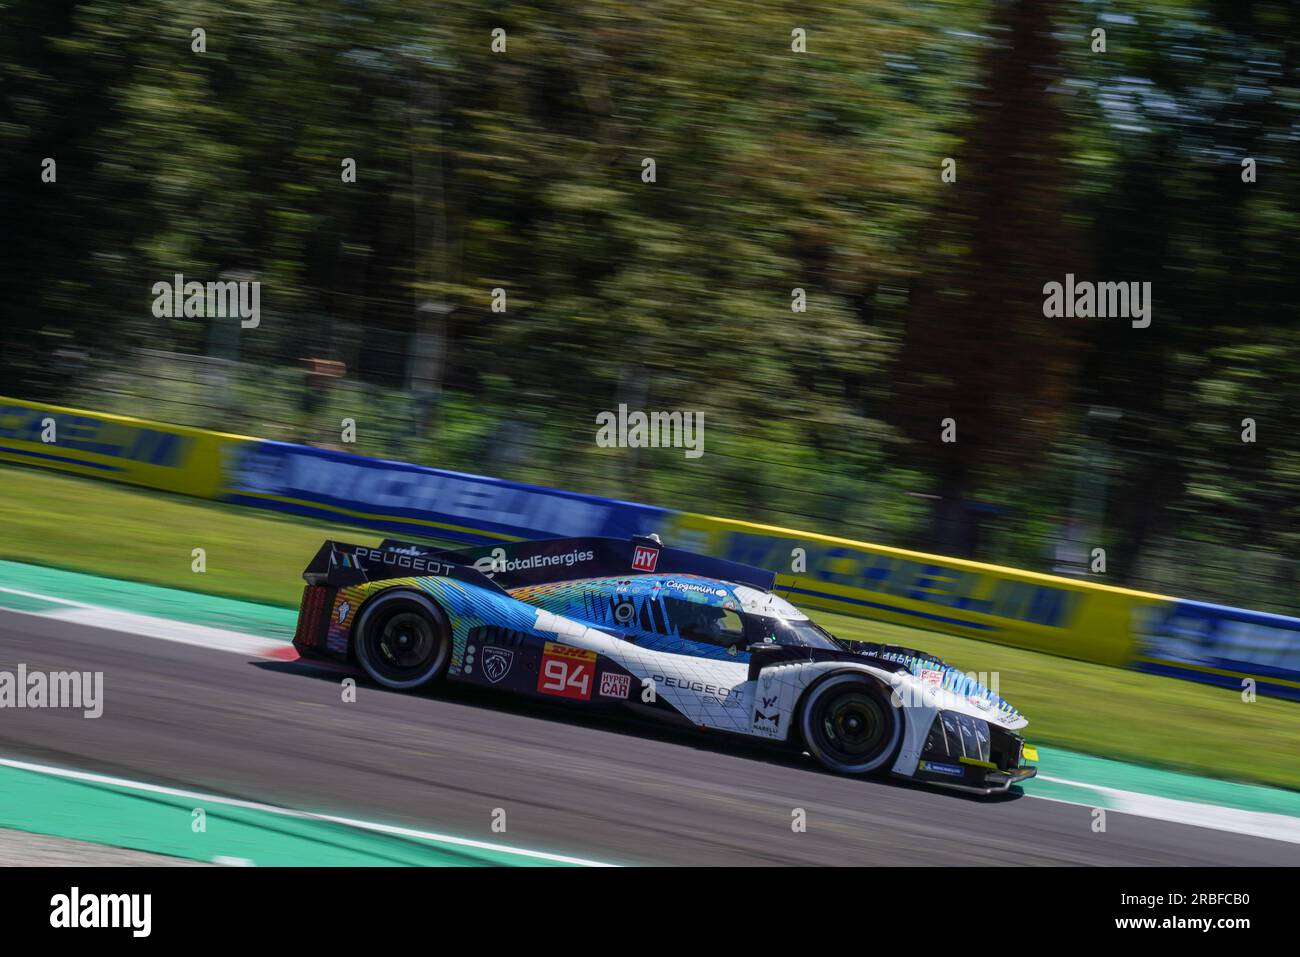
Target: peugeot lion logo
x,y
496,663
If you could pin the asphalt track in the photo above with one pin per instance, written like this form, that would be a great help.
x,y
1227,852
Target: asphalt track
x,y
279,733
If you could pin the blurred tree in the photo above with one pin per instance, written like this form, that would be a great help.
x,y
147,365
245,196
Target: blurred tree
x,y
978,348
521,170
1178,105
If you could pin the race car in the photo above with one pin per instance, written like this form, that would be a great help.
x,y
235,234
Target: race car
x,y
662,632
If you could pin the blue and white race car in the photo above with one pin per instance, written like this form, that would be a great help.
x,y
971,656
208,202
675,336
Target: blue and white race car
x,y
631,624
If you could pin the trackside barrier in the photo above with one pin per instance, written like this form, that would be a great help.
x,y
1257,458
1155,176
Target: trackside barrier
x,y
1223,646
168,457
414,499
1062,616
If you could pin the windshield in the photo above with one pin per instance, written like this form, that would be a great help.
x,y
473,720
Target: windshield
x,y
799,632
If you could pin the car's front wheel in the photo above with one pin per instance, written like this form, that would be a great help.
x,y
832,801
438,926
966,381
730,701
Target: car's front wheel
x,y
849,725
403,640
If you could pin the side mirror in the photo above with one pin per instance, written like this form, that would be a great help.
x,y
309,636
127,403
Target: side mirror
x,y
760,650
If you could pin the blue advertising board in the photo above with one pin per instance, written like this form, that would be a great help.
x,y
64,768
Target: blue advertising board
x,y
418,500
1224,646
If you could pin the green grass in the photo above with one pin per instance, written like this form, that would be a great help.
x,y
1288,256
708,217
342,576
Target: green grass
x,y
119,532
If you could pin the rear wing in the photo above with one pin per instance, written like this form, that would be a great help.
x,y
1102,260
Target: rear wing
x,y
340,564
513,564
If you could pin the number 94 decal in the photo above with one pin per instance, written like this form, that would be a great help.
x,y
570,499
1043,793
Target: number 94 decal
x,y
566,672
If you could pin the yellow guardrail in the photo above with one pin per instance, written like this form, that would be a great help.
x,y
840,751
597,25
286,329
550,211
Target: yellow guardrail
x,y
1061,616
172,458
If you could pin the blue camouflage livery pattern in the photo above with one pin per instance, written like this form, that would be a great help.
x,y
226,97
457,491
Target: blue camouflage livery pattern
x,y
636,605
467,607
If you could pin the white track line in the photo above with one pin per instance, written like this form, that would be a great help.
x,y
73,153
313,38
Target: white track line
x,y
301,815
1218,817
49,598
148,626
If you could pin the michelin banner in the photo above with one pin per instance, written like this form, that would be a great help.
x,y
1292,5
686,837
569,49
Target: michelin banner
x,y
417,500
1062,616
1222,646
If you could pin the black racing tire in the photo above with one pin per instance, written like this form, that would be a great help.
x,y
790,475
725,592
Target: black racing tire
x,y
849,725
403,640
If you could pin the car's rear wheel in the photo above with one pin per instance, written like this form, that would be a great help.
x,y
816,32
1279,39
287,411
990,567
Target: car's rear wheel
x,y
849,725
403,640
